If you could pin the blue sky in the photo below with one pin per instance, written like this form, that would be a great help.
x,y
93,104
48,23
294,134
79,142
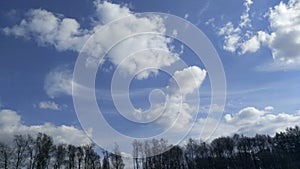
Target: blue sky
x,y
257,42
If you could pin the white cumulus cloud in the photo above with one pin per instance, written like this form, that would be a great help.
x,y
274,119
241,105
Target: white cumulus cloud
x,y
248,121
50,29
251,45
281,36
11,125
188,80
285,24
125,44
179,111
107,11
251,120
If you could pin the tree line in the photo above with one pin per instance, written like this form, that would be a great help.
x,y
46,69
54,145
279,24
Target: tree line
x,y
41,153
237,152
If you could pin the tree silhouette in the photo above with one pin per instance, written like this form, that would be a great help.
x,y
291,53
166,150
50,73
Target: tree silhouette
x,y
237,152
59,155
116,159
5,153
262,151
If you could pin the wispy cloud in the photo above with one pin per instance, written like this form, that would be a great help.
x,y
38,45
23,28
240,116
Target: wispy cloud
x,y
59,82
234,34
49,105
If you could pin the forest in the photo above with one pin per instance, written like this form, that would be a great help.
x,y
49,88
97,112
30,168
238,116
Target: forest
x,y
281,151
